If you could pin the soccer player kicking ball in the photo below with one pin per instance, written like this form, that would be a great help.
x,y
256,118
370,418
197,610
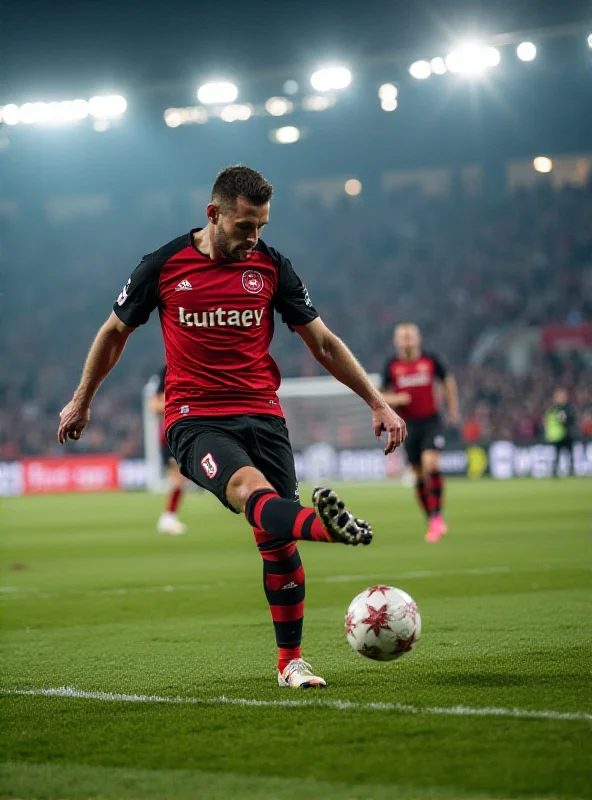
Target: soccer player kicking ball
x,y
216,289
408,384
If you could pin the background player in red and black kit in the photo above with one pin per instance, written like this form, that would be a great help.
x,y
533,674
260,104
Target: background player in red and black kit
x,y
216,290
409,385
168,522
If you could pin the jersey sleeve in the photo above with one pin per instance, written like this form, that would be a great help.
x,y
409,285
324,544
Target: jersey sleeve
x,y
440,367
291,299
139,297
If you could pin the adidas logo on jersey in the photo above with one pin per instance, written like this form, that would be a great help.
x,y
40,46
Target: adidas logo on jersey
x,y
220,317
184,286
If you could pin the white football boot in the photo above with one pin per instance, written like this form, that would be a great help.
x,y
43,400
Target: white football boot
x,y
298,675
169,523
338,521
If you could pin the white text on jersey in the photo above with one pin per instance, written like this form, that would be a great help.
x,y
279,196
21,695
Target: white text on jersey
x,y
220,317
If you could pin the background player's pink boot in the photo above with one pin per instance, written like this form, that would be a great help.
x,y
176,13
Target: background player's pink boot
x,y
437,528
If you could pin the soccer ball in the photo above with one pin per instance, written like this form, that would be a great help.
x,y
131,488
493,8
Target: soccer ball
x,y
382,623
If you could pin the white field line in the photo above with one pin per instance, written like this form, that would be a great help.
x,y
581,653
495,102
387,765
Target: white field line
x,y
16,593
339,705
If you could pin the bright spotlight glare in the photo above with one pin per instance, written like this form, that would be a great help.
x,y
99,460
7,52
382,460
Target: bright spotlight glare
x,y
526,51
287,135
11,114
353,187
329,78
101,125
388,92
236,113
107,107
472,59
590,40
219,92
420,70
278,106
542,164
389,105
438,66
173,118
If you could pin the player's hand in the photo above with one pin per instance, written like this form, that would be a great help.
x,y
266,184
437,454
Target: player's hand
x,y
73,420
385,419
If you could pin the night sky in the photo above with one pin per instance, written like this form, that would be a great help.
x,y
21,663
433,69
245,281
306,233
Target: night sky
x,y
82,45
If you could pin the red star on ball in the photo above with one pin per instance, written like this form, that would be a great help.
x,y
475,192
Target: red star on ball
x,y
381,589
377,618
349,622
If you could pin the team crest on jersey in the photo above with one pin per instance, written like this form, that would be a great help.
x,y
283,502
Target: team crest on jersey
x,y
209,466
252,281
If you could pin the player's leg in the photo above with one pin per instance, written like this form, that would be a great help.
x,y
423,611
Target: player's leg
x,y
169,522
412,447
430,462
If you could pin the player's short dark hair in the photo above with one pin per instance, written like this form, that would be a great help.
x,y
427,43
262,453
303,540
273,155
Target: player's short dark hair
x,y
240,181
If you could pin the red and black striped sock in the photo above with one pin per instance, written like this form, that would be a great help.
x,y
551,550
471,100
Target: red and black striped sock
x,y
284,519
174,499
283,581
435,491
422,496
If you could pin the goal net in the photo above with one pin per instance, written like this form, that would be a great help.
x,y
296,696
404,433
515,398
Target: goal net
x,y
330,429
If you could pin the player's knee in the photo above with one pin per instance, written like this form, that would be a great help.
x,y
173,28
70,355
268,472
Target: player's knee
x,y
243,484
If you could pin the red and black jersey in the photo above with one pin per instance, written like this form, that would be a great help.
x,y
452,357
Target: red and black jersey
x,y
217,323
160,390
418,378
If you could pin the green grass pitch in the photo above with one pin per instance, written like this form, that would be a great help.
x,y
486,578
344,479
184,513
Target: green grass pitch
x,y
494,701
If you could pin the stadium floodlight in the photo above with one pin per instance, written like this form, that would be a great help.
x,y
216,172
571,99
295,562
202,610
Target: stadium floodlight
x,y
318,102
330,78
236,113
420,70
11,114
542,164
107,106
353,187
438,66
173,117
472,59
388,91
526,51
286,135
101,125
389,104
278,106
590,40
218,92
290,87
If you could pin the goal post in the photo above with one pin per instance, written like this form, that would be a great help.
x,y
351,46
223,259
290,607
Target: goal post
x,y
330,430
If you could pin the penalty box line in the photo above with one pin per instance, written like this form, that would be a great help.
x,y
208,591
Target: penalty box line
x,y
338,705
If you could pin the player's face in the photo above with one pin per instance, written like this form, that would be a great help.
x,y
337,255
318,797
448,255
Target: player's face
x,y
407,340
238,229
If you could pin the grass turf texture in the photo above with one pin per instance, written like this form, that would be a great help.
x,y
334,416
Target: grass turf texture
x,y
95,599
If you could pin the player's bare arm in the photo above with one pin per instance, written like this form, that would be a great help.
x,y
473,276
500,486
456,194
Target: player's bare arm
x,y
337,358
396,398
450,389
102,357
157,404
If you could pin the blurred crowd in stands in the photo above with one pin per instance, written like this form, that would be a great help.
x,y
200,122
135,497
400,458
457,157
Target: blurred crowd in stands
x,y
460,268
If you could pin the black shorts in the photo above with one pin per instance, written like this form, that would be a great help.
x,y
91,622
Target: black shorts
x,y
423,434
209,450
